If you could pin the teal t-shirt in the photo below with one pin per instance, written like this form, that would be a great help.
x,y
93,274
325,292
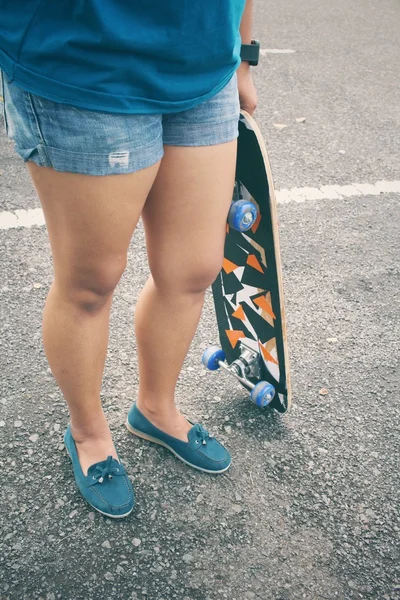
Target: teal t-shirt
x,y
125,56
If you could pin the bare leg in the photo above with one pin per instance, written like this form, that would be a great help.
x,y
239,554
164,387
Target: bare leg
x,y
185,221
90,222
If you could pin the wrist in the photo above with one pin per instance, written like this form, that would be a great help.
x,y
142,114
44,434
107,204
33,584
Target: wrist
x,y
243,68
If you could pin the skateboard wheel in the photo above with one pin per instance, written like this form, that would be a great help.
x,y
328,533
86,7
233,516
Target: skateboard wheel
x,y
242,215
262,394
212,356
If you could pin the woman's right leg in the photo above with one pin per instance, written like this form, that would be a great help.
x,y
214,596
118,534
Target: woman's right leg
x,y
90,222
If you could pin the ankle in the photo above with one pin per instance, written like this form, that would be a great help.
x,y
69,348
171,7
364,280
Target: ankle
x,y
95,430
157,407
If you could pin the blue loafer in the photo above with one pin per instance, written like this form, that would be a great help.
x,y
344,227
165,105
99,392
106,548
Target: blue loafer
x,y
201,451
106,487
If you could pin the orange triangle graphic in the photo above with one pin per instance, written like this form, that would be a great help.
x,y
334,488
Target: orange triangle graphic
x,y
267,356
239,313
234,336
256,223
263,303
228,266
253,262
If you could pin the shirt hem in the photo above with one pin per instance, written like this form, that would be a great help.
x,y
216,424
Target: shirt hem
x,y
66,94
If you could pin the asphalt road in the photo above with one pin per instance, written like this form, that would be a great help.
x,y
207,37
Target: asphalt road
x,y
310,508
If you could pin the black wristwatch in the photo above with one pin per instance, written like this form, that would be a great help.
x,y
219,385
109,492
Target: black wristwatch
x,y
251,52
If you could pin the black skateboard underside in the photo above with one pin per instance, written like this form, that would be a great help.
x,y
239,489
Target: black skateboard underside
x,y
246,292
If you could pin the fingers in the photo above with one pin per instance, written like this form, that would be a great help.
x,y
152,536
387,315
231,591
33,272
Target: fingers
x,y
248,102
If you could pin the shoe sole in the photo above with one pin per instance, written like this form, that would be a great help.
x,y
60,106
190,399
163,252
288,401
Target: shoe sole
x,y
98,510
160,443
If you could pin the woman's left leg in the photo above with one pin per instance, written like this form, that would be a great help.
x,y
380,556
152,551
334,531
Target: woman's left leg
x,y
185,222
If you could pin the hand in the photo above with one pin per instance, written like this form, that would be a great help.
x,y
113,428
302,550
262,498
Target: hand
x,y
247,91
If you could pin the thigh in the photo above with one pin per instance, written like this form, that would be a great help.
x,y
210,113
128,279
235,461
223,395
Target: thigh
x,y
92,172
90,222
185,214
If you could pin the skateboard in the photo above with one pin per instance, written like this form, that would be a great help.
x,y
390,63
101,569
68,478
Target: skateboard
x,y
248,292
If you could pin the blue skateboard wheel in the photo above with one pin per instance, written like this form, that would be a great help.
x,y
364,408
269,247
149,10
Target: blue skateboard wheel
x,y
262,394
212,356
242,215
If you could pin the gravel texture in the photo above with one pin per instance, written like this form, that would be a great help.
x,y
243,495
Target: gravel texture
x,y
310,507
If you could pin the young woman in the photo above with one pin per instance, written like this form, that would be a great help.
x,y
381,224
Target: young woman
x,y
123,109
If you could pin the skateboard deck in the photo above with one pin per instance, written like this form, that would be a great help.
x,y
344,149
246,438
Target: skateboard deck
x,y
248,292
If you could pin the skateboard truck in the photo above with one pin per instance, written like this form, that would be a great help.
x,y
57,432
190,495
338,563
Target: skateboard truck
x,y
245,366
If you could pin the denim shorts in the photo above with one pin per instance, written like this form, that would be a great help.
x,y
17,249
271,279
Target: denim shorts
x,y
76,140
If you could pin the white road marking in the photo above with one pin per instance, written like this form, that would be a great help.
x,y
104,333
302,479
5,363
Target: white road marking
x,y
32,217
264,51
21,218
337,192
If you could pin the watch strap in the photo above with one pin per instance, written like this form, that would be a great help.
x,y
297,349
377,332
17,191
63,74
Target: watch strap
x,y
250,52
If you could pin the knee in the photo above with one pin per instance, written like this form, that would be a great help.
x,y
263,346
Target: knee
x,y
90,289
200,279
194,279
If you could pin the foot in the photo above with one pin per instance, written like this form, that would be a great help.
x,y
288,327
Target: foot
x,y
167,418
93,444
106,486
200,450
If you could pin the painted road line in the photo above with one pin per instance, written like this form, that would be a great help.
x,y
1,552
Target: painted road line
x,y
264,51
34,217
21,218
337,192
